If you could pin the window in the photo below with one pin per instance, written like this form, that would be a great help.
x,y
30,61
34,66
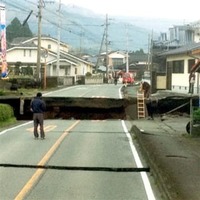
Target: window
x,y
49,46
178,66
191,62
117,61
24,52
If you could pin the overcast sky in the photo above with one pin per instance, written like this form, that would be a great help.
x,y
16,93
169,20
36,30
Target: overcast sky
x,y
169,9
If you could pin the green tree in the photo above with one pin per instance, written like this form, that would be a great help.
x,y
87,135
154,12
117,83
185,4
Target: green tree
x,y
139,52
16,29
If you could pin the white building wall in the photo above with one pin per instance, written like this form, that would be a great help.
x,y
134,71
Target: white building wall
x,y
28,55
180,82
52,45
19,55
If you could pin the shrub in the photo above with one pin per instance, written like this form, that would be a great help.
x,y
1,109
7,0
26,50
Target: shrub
x,y
196,114
6,112
88,74
1,92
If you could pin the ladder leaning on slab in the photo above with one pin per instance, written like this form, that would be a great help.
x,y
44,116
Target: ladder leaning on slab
x,y
141,105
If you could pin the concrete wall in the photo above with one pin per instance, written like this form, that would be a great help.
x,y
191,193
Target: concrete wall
x,y
93,80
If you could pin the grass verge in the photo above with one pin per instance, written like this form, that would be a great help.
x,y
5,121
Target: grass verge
x,y
8,122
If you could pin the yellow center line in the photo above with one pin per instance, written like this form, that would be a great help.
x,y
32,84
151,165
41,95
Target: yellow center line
x,y
34,179
47,128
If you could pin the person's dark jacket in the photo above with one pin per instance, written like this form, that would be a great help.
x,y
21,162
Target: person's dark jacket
x,y
38,105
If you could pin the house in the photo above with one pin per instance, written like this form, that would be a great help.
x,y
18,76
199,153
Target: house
x,y
111,59
116,58
23,55
178,66
179,35
137,64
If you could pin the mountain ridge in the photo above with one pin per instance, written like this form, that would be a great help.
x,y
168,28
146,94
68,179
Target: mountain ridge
x,y
83,29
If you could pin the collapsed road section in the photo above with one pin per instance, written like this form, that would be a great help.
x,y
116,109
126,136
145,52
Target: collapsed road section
x,y
74,108
95,108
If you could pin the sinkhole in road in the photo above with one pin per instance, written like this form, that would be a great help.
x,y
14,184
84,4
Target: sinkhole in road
x,y
76,108
86,113
89,108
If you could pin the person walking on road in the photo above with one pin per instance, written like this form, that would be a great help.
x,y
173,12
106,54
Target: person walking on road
x,y
38,108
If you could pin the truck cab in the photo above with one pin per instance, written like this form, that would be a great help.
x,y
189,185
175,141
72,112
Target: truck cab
x,y
127,78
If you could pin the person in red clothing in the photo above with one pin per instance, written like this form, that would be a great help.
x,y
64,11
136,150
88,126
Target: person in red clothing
x,y
38,108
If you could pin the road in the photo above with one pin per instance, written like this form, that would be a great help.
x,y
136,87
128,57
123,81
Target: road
x,y
108,91
79,159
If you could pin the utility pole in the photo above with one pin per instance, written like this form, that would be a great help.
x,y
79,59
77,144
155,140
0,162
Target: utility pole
x,y
99,55
107,46
127,59
41,4
149,41
58,45
81,41
39,42
150,59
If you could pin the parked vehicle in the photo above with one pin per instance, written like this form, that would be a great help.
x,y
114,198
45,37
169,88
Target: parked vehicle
x,y
127,78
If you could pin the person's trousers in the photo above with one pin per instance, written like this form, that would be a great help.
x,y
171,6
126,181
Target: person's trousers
x,y
38,120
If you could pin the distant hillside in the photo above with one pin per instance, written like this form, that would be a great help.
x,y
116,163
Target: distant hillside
x,y
83,29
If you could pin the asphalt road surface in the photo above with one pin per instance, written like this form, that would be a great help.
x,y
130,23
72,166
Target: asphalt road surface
x,y
79,159
101,91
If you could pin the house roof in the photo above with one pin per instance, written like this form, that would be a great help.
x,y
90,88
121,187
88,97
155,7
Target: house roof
x,y
45,38
122,53
102,68
66,60
27,41
186,49
20,43
19,40
70,56
138,57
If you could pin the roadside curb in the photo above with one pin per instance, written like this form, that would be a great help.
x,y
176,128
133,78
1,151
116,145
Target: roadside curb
x,y
157,172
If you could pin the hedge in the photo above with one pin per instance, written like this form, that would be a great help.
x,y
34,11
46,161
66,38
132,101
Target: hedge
x,y
196,114
6,112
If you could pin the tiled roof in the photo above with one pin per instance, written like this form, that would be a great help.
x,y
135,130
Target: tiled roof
x,y
139,57
19,40
182,50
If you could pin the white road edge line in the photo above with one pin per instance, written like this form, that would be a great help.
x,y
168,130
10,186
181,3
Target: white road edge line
x,y
59,90
144,176
120,92
10,129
